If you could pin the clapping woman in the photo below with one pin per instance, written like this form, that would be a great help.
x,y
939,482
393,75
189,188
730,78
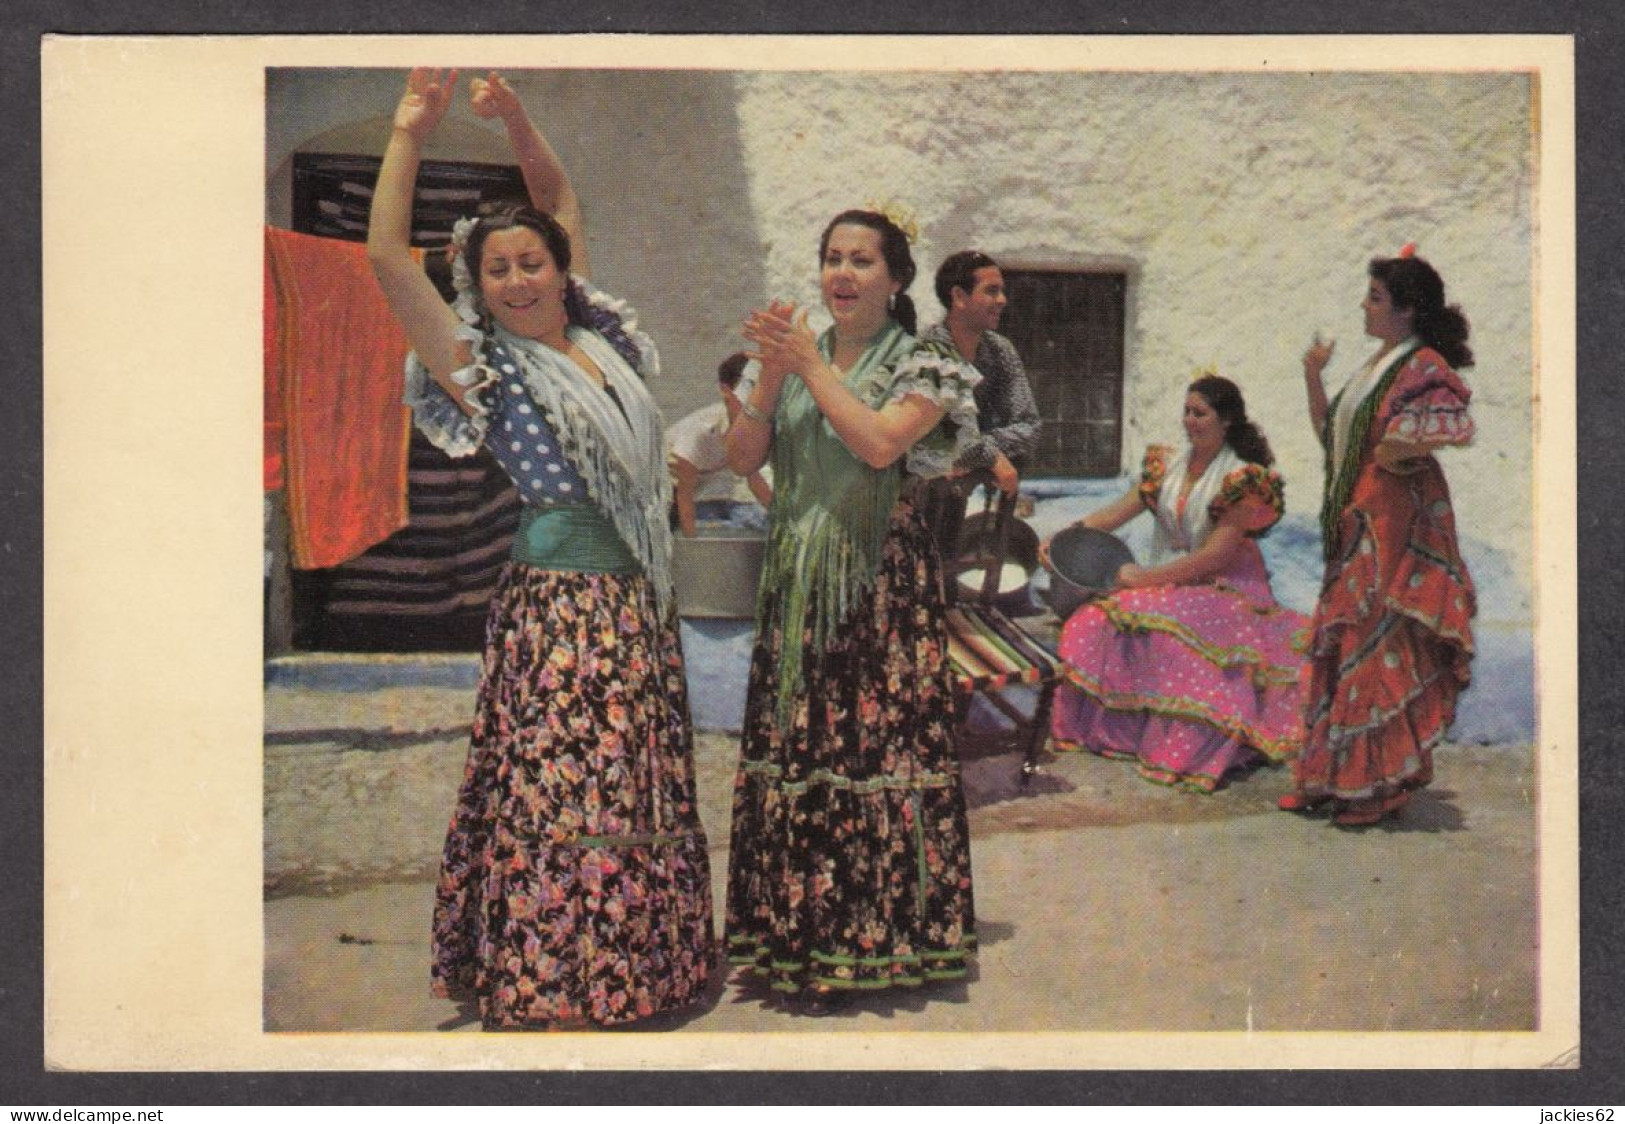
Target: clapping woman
x,y
850,860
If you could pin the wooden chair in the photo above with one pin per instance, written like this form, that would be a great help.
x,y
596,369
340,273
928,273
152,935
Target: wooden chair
x,y
988,650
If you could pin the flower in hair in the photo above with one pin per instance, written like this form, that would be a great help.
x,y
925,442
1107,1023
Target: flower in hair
x,y
460,232
1408,250
462,278
899,215
1210,371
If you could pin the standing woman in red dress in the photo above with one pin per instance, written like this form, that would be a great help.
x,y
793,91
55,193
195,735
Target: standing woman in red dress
x,y
1392,633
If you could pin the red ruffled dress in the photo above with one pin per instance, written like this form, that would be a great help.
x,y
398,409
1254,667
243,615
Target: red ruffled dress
x,y
1189,681
1392,639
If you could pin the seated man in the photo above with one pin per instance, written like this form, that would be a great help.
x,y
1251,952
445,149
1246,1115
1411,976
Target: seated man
x,y
971,288
698,457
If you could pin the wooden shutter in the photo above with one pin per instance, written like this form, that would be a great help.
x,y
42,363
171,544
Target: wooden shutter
x,y
1067,326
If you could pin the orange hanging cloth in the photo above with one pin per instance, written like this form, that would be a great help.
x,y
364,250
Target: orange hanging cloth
x,y
333,358
276,427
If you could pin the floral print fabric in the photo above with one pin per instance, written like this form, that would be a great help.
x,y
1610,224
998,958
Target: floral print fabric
x,y
575,886
1255,488
850,858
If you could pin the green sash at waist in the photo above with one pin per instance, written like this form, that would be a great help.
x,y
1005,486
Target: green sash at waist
x,y
577,537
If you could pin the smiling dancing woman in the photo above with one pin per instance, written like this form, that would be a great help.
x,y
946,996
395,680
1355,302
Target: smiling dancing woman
x,y
1393,640
575,887
850,859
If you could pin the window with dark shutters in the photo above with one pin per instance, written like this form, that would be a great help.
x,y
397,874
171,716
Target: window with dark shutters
x,y
1068,326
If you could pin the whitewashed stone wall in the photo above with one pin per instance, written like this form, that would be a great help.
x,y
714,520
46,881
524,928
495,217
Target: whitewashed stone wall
x,y
1242,207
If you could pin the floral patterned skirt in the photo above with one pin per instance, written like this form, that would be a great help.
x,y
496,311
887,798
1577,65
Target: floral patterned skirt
x,y
850,857
575,886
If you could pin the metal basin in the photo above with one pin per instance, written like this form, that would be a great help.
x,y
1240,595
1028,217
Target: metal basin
x,y
1083,565
716,573
978,549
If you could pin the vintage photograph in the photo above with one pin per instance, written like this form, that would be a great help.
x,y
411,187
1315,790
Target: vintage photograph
x,y
1160,262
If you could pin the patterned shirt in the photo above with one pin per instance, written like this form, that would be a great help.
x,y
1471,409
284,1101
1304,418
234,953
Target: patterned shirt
x,y
1005,409
523,441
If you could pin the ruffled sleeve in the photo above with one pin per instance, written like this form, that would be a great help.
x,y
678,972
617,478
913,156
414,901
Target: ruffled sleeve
x,y
506,419
936,374
437,414
1428,403
1257,492
1152,471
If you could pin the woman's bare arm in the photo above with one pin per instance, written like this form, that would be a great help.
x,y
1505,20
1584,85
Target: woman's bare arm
x,y
1200,564
545,178
429,323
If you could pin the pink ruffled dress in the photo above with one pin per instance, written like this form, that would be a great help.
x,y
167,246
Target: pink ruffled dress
x,y
1189,681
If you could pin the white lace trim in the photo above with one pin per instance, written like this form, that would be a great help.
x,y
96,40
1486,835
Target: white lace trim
x,y
436,413
947,383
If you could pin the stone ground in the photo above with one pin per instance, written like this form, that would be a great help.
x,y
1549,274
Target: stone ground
x,y
1104,903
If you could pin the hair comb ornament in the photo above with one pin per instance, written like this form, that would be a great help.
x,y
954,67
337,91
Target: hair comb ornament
x,y
898,214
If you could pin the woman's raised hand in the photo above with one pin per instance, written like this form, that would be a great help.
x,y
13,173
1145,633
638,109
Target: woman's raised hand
x,y
428,93
784,343
1318,355
493,97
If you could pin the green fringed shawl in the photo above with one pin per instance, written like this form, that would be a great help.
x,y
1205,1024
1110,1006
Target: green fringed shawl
x,y
1340,478
830,509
